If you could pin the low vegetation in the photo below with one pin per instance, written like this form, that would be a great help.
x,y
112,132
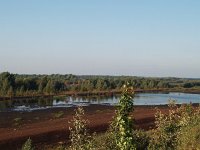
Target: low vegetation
x,y
17,121
58,114
28,145
171,128
79,136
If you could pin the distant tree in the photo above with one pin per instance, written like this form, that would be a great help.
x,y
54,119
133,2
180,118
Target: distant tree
x,y
21,92
48,87
99,84
7,81
10,92
188,85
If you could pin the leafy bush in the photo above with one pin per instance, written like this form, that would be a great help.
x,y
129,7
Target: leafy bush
x,y
80,139
60,147
171,128
189,138
141,139
27,145
102,141
121,127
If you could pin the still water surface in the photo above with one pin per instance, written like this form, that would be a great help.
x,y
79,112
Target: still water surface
x,y
140,99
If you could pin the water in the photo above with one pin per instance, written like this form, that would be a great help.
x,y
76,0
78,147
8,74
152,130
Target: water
x,y
140,99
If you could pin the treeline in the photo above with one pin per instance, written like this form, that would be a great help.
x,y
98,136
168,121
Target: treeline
x,y
30,85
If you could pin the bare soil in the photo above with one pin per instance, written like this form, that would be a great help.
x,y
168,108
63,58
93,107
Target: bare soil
x,y
46,127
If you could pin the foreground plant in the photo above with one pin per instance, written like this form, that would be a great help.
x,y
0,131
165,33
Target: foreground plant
x,y
27,145
189,137
171,128
121,127
80,139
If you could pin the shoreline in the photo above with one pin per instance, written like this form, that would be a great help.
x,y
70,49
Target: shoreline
x,y
102,93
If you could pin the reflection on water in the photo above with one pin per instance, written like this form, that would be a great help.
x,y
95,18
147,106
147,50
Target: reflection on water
x,y
140,99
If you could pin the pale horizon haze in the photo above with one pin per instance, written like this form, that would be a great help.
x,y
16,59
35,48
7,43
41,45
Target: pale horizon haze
x,y
106,37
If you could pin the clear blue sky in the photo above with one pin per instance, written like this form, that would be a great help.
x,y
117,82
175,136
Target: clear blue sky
x,y
107,37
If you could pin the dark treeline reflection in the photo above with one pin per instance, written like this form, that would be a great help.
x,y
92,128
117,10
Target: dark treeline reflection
x,y
29,104
6,105
37,102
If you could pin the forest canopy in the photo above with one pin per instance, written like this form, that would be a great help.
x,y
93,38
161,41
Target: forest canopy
x,y
24,85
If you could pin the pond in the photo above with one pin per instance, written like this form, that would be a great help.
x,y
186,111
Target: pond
x,y
139,99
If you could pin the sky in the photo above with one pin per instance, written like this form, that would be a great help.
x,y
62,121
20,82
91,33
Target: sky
x,y
154,38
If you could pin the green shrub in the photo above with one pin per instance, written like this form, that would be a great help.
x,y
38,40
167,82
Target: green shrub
x,y
58,114
102,141
141,139
189,138
171,128
121,127
27,145
17,121
80,139
60,147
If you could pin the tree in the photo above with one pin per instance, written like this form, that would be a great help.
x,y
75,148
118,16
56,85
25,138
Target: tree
x,y
121,128
49,89
7,82
21,91
99,84
10,92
